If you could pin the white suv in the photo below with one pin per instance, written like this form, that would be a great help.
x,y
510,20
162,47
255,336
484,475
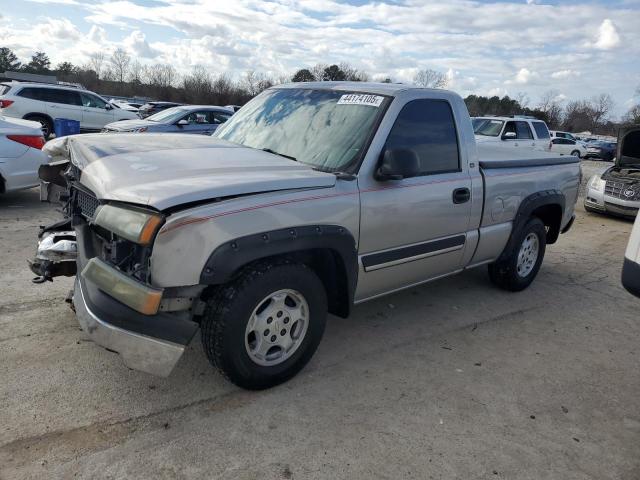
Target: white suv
x,y
519,132
44,102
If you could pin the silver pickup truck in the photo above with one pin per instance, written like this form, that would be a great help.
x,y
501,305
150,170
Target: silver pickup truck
x,y
312,198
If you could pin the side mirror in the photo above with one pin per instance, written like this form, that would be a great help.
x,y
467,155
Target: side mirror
x,y
108,106
398,163
509,136
182,123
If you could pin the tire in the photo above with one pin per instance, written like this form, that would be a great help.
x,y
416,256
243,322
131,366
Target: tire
x,y
576,153
515,273
234,348
47,125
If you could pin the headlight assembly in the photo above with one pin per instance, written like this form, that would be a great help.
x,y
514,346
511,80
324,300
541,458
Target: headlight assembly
x,y
136,225
597,183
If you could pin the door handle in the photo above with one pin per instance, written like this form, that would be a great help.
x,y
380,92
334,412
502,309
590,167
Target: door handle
x,y
461,195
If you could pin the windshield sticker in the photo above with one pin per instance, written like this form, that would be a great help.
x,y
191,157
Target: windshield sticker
x,y
361,99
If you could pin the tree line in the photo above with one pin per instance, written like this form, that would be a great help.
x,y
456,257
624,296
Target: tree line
x,y
122,75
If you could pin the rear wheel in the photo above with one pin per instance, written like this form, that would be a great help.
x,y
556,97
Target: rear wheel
x,y
263,328
517,271
45,123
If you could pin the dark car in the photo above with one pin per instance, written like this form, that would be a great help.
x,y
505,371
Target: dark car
x,y
151,108
604,150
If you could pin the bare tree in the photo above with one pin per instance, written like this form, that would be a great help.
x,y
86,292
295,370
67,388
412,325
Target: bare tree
x,y
523,99
601,106
430,79
161,75
96,61
136,72
551,106
120,63
318,71
255,82
198,85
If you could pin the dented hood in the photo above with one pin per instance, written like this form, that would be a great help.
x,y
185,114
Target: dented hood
x,y
168,170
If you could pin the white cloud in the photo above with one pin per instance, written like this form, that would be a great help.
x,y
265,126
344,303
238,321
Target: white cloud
x,y
137,44
567,73
523,77
608,36
58,29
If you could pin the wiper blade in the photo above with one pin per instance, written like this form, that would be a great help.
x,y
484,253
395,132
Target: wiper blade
x,y
268,150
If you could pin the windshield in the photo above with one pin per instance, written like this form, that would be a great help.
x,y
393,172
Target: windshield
x,y
487,127
323,128
169,115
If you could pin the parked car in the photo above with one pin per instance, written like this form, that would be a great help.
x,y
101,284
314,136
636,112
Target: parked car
x,y
310,199
151,108
21,155
202,119
631,265
603,150
519,132
131,107
566,146
43,103
617,190
233,108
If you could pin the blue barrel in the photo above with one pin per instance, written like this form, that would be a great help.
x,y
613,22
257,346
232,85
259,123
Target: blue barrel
x,y
63,127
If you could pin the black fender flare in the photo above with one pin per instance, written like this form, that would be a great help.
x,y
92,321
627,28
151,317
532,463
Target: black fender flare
x,y
227,259
525,210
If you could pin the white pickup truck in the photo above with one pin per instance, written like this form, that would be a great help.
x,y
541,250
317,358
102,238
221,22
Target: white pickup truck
x,y
312,198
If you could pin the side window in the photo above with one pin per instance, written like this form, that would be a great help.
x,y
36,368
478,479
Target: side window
x,y
557,141
198,118
92,101
571,142
32,93
66,97
219,117
542,131
523,131
428,128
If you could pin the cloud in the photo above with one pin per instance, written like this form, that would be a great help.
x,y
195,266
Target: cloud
x,y
608,36
563,74
58,29
137,43
523,77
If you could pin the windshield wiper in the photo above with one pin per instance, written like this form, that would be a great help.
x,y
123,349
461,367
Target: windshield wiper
x,y
268,150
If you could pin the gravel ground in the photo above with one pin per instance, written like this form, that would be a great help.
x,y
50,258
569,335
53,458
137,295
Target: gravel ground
x,y
454,379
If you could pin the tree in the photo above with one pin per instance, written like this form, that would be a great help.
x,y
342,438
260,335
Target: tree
x,y
8,60
65,70
198,85
303,75
430,79
39,63
333,73
135,73
120,63
551,106
254,82
601,106
633,115
96,61
352,74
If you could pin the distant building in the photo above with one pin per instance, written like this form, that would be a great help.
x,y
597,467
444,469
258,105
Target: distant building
x,y
28,77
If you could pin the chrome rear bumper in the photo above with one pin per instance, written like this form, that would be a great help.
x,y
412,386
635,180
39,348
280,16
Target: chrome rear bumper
x,y
138,351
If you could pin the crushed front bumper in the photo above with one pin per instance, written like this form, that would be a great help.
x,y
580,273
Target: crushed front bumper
x,y
139,352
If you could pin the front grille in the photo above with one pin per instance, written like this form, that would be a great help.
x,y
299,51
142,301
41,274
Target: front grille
x,y
85,204
621,190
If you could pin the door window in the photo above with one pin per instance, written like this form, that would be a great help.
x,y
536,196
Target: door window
x,y
523,132
541,130
199,118
65,97
92,101
32,93
219,117
428,128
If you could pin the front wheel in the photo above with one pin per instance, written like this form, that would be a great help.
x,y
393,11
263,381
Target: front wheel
x,y
517,271
576,153
263,328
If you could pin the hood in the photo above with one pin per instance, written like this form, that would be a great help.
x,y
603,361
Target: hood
x,y
168,170
128,125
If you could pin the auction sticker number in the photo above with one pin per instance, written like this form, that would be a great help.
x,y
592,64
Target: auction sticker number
x,y
360,99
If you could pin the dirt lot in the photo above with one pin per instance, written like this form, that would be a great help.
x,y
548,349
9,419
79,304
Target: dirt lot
x,y
455,379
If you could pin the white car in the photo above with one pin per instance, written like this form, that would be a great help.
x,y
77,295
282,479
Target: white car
x,y
42,103
566,146
21,154
512,132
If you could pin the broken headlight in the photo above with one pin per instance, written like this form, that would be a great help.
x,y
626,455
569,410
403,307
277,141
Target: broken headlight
x,y
136,225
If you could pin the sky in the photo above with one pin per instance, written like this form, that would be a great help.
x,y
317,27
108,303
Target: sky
x,y
499,47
